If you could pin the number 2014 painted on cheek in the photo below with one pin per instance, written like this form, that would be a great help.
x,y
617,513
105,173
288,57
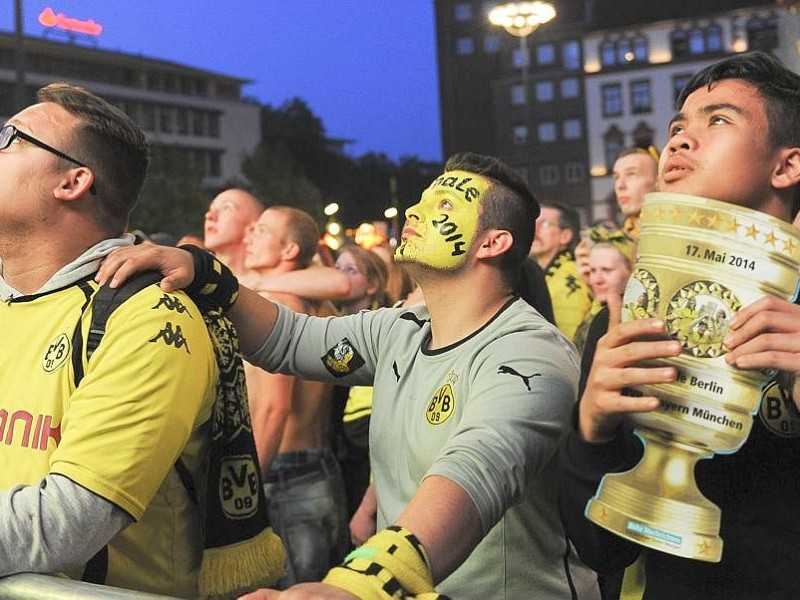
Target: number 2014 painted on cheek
x,y
447,228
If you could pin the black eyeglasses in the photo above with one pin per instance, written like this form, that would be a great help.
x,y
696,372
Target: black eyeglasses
x,y
9,133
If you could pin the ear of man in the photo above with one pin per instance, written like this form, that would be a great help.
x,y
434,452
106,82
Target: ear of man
x,y
291,251
495,242
74,184
786,173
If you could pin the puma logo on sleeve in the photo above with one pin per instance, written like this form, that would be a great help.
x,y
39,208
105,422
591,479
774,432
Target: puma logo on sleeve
x,y
506,370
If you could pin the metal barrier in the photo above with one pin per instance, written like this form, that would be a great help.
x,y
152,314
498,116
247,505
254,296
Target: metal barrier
x,y
29,586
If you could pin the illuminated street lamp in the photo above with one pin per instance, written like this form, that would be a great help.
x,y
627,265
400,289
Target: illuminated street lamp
x,y
521,19
333,229
391,214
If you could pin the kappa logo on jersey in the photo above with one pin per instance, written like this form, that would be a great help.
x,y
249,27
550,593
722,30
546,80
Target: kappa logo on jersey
x,y
526,379
172,336
174,304
342,359
57,353
238,487
778,412
441,406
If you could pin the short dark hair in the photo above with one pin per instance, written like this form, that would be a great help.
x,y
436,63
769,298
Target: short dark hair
x,y
111,145
509,204
301,229
777,85
568,218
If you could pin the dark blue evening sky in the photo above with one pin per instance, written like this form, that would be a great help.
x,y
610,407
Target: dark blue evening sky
x,y
367,68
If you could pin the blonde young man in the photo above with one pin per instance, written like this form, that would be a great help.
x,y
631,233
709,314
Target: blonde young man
x,y
228,218
303,482
635,174
472,392
736,138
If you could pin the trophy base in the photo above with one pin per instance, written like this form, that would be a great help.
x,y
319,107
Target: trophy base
x,y
658,505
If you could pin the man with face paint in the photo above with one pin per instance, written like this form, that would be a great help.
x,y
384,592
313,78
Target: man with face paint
x,y
472,392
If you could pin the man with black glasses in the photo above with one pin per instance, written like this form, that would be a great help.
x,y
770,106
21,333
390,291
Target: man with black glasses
x,y
95,451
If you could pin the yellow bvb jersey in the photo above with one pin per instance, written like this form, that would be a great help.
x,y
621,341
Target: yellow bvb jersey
x,y
145,399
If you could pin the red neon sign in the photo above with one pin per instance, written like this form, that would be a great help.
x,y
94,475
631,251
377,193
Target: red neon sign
x,y
48,18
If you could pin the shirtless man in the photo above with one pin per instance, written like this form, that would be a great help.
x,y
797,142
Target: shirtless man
x,y
303,483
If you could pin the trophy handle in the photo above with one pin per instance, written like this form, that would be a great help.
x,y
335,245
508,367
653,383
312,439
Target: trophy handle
x,y
658,504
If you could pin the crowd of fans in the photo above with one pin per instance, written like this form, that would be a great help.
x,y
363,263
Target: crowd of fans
x,y
424,418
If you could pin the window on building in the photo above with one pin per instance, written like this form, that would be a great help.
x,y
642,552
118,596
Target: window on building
x,y
640,49
624,52
570,87
491,43
463,12
545,91
571,55
608,54
612,99
548,174
183,120
518,95
215,164
519,59
643,135
573,129
714,38
546,131
465,46
613,142
545,54
213,124
679,41
762,34
165,119
678,83
198,123
519,135
641,100
574,172
154,81
148,117
697,41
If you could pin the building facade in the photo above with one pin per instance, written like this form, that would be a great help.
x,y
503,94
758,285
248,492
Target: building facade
x,y
522,102
634,72
600,77
199,114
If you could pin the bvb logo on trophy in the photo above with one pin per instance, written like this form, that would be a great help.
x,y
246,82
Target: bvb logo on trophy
x,y
699,261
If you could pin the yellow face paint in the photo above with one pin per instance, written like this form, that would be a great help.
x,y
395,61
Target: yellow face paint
x,y
441,227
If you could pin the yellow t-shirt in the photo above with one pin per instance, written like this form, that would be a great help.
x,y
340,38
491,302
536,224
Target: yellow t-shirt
x,y
145,399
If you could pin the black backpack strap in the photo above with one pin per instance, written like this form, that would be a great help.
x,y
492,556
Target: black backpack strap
x,y
77,335
106,301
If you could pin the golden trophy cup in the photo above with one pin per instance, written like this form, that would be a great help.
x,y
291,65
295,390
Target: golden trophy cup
x,y
699,261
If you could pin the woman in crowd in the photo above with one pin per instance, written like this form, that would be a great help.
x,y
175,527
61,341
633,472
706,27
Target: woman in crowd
x,y
611,257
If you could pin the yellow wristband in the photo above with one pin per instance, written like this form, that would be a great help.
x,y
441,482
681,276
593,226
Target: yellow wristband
x,y
390,564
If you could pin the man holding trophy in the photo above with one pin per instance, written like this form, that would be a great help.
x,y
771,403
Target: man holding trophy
x,y
684,377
